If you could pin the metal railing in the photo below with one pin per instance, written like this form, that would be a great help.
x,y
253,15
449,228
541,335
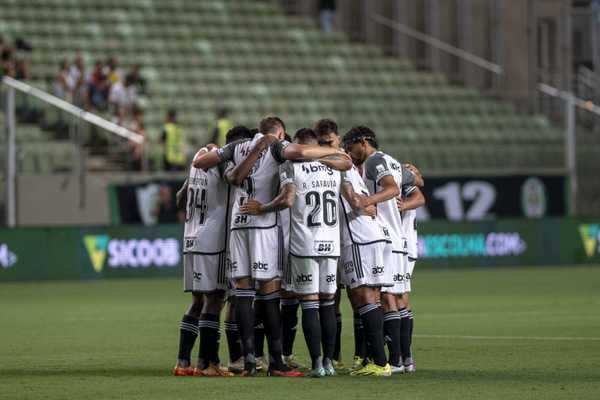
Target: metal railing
x,y
78,114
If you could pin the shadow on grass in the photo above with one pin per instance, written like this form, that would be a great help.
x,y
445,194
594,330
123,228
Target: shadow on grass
x,y
423,375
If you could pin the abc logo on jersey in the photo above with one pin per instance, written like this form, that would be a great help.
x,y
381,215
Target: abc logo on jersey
x,y
330,278
323,246
398,277
303,278
259,266
377,270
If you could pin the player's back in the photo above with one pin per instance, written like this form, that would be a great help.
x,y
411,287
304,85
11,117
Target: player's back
x,y
377,166
314,225
207,211
356,228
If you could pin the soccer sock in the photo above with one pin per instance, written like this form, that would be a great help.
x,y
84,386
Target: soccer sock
x,y
272,322
312,329
209,339
337,351
328,327
289,324
233,341
259,330
360,345
410,334
244,316
372,319
391,328
404,334
188,332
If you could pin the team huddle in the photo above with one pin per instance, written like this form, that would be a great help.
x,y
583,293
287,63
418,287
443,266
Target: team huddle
x,y
275,224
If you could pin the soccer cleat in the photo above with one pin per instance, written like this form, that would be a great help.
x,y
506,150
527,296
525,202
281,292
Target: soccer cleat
x,y
410,369
214,370
183,371
237,366
291,362
285,374
249,372
357,363
318,372
338,364
373,370
328,367
397,369
261,364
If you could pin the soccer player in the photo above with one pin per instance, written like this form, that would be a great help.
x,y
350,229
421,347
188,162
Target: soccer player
x,y
205,254
254,238
310,189
411,199
384,177
364,241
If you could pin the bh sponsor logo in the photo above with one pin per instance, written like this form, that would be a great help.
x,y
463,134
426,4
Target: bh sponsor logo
x,y
323,246
7,257
303,279
492,244
590,236
131,253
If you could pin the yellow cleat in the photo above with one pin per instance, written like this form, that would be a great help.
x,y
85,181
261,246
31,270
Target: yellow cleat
x,y
214,370
373,370
357,363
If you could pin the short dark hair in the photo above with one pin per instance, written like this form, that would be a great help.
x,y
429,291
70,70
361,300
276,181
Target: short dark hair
x,y
305,136
287,138
269,124
358,133
326,126
237,133
254,131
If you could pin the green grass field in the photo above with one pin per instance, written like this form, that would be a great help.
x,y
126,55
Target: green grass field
x,y
512,333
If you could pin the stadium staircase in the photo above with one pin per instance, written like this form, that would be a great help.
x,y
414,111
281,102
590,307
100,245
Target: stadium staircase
x,y
254,59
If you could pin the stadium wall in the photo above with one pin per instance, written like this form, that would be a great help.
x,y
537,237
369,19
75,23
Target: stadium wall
x,y
139,251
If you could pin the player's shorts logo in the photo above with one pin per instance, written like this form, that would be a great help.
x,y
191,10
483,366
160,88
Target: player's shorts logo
x,y
330,278
398,277
323,246
197,276
259,266
348,267
377,270
304,278
407,276
233,265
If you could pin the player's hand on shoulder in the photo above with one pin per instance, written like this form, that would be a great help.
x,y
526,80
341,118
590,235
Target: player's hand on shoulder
x,y
400,204
251,207
370,211
266,141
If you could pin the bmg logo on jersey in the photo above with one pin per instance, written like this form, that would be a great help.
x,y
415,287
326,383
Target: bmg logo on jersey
x,y
312,168
7,257
323,246
131,253
260,266
303,279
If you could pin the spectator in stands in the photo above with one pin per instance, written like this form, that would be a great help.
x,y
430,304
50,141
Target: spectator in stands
x,y
77,80
326,14
137,149
7,61
173,141
222,126
112,70
98,86
62,86
140,81
122,97
22,69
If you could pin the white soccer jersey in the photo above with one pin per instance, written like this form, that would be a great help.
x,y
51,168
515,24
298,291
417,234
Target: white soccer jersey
x,y
314,226
409,222
261,184
207,212
356,228
377,166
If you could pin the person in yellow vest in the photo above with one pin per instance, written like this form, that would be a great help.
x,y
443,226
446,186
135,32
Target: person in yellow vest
x,y
174,143
221,128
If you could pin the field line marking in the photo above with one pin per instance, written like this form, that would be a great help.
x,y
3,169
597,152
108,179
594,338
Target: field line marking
x,y
551,338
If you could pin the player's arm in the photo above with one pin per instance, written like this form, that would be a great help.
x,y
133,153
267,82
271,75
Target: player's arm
x,y
205,159
285,199
415,200
241,171
181,196
295,152
356,201
416,179
390,190
339,162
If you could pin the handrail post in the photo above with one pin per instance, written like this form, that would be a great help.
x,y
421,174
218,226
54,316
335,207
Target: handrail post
x,y
11,160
